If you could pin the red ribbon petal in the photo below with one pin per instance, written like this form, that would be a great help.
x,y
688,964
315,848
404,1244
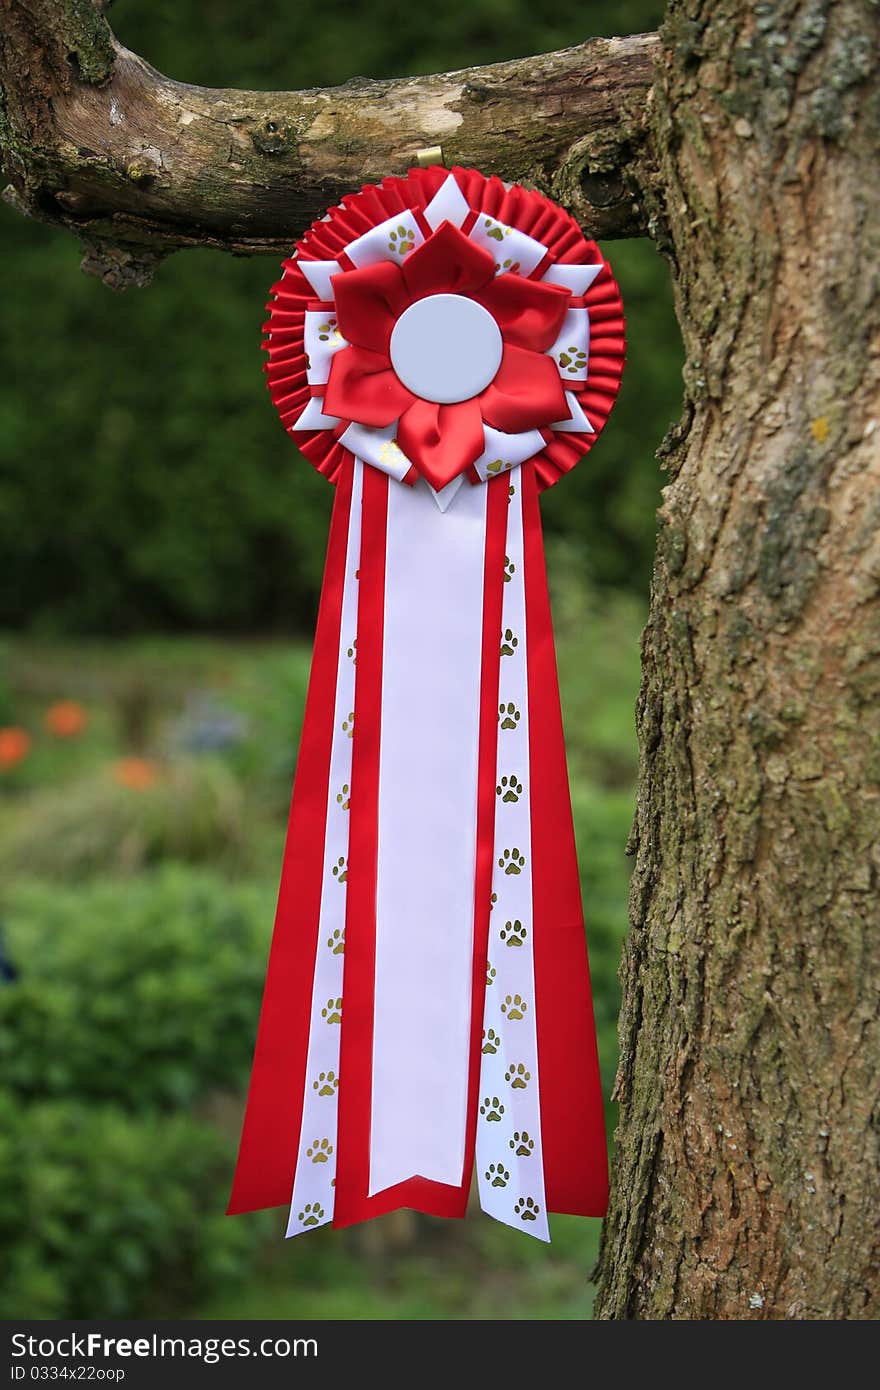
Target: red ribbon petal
x,y
442,440
363,387
526,393
447,263
368,304
528,313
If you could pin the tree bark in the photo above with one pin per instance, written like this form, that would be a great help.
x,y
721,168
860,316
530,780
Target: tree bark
x,y
746,1181
96,140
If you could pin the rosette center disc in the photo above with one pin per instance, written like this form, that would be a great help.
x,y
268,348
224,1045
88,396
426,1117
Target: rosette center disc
x,y
446,348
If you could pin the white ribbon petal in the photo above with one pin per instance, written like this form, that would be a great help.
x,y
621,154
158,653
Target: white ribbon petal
x,y
313,417
512,250
378,447
322,339
572,348
319,274
447,205
313,1192
577,422
504,451
577,278
432,650
391,240
510,1165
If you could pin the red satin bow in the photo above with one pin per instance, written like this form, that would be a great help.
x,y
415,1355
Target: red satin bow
x,y
441,441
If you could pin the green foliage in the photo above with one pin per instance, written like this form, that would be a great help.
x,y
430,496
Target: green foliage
x,y
192,812
145,993
145,482
104,1213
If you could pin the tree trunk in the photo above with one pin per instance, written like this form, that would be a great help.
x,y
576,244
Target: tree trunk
x,y
746,1170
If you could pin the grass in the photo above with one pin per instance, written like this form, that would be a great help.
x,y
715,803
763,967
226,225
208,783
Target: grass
x,y
216,725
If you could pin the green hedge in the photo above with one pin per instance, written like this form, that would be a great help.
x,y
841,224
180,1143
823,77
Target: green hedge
x,y
144,992
103,1212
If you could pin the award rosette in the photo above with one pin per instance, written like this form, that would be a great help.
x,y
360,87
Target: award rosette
x,y
441,347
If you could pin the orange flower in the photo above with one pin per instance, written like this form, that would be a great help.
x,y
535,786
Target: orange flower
x,y
66,719
136,773
15,744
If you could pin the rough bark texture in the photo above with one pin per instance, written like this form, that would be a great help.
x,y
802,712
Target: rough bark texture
x,y
746,1170
746,1180
138,165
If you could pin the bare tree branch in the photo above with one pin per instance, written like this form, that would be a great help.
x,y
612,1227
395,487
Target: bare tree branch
x,y
95,140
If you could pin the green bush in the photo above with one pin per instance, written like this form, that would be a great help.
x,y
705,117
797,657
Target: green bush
x,y
192,812
144,992
102,1212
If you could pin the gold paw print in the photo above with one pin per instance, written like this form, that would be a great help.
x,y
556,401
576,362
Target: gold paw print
x,y
526,1209
348,725
352,652
340,870
320,1151
491,1042
509,789
312,1214
401,240
573,360
507,267
496,230
509,642
514,933
523,1144
391,453
517,1076
509,569
497,466
491,1108
491,972
332,1011
342,797
336,942
327,1083
329,333
514,1006
497,1175
511,861
508,715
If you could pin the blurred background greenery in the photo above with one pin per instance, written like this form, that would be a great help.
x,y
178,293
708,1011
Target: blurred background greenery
x,y
164,547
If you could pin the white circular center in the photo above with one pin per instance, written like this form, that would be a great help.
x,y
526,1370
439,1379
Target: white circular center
x,y
446,348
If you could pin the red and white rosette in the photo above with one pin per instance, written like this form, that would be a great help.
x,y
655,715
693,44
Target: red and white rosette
x,y
441,347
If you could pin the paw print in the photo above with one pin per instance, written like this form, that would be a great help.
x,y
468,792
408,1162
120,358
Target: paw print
x,y
491,972
329,332
348,725
320,1151
312,1214
401,240
332,1012
526,1209
491,1108
327,1083
518,1077
352,652
514,1006
508,715
491,1042
514,933
509,789
496,230
509,569
509,642
573,360
492,901
343,797
340,870
508,267
497,466
523,1144
497,1175
336,942
511,861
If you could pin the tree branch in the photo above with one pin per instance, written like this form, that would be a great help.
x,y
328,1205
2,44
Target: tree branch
x,y
95,140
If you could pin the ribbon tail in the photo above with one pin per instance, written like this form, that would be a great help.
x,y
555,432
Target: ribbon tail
x,y
270,1135
575,1150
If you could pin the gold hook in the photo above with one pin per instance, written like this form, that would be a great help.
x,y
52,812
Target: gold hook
x,y
433,154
